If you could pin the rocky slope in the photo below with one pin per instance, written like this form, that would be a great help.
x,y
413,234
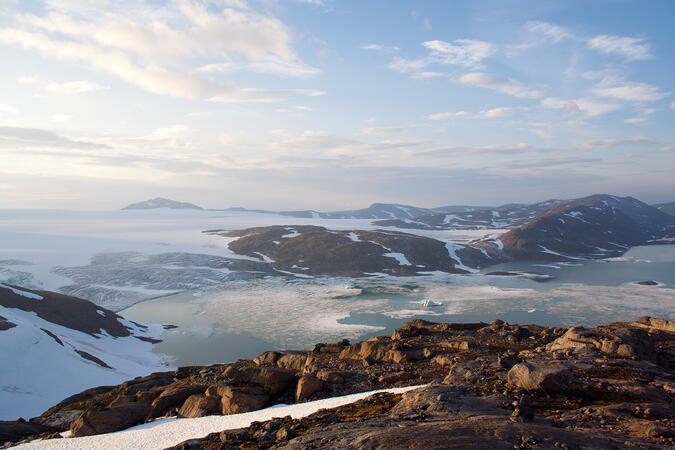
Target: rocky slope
x,y
160,202
312,250
487,386
46,336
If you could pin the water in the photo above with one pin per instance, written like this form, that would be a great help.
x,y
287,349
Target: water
x,y
240,319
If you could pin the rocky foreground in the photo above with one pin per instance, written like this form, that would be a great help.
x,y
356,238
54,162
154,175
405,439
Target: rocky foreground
x,y
488,386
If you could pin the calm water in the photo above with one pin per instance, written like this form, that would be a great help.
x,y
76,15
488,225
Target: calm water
x,y
241,319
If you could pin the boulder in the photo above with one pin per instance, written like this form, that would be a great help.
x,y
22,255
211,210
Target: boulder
x,y
272,379
539,377
330,376
199,405
107,420
307,386
293,361
375,349
173,397
267,358
235,400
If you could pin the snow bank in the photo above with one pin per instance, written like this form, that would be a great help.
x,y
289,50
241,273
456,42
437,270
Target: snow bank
x,y
168,432
22,293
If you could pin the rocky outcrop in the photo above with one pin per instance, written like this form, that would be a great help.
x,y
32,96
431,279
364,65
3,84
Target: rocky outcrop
x,y
494,385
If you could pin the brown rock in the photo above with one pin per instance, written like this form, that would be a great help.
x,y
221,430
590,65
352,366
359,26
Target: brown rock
x,y
13,431
307,386
199,405
60,420
173,397
240,399
330,376
545,377
272,379
293,361
106,420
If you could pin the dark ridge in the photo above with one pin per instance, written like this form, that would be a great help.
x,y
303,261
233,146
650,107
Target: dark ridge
x,y
53,336
92,358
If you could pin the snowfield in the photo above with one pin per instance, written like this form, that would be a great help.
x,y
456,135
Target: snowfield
x,y
37,372
168,432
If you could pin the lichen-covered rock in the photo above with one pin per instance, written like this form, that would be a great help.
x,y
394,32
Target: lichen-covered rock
x,y
199,405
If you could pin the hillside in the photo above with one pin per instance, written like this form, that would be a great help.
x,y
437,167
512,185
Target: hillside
x,y
668,208
311,250
587,228
45,336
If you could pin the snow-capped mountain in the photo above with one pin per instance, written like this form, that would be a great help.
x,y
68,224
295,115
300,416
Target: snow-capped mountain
x,y
45,336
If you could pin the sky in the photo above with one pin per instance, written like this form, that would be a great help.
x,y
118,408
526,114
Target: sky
x,y
334,104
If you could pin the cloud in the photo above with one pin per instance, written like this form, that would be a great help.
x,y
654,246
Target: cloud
x,y
641,92
485,114
61,118
672,104
590,108
304,108
21,138
8,109
381,48
65,88
157,54
294,69
552,32
449,151
380,131
631,49
463,52
508,87
637,141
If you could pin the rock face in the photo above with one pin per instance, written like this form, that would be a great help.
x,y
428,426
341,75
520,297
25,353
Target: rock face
x,y
486,386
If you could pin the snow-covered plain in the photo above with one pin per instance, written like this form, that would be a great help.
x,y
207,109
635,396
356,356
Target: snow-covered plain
x,y
165,433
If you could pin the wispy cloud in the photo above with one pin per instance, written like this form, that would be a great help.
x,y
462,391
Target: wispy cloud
x,y
508,87
587,107
637,141
641,92
550,31
157,55
631,49
485,114
380,131
381,48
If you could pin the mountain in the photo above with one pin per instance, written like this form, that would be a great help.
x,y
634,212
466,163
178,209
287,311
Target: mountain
x,y
668,208
159,202
515,215
312,250
593,227
46,336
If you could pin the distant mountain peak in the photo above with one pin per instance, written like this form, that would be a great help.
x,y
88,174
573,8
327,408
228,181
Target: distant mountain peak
x,y
160,202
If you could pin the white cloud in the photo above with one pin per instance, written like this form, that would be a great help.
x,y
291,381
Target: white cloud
x,y
5,108
380,48
61,117
304,108
632,49
424,75
462,52
636,120
380,131
641,92
294,69
638,141
75,87
485,114
590,108
157,54
371,120
553,32
672,104
509,87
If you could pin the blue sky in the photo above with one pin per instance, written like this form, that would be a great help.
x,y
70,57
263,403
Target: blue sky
x,y
334,104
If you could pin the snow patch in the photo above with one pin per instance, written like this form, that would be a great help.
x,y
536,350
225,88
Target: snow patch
x,y
22,293
400,257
